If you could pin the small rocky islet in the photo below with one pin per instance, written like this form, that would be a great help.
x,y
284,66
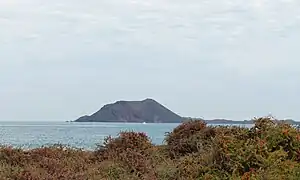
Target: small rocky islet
x,y
148,111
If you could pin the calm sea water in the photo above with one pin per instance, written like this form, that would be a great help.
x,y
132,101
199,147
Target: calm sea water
x,y
81,135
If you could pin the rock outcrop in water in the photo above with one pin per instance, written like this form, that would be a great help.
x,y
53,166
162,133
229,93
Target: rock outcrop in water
x,y
148,111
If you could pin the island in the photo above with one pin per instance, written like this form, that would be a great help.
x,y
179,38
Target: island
x,y
145,111
150,111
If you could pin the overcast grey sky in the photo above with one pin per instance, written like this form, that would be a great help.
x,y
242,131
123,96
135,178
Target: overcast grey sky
x,y
203,58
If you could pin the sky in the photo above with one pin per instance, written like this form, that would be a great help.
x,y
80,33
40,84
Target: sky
x,y
234,59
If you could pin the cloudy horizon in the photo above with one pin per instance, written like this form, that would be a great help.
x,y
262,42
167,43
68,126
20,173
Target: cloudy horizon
x,y
212,59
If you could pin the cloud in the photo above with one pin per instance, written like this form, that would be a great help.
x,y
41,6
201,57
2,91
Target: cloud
x,y
58,51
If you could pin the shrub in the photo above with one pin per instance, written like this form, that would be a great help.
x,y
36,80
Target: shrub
x,y
44,163
11,156
193,150
277,134
189,137
126,141
132,149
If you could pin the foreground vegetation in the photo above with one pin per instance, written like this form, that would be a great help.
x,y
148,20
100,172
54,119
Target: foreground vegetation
x,y
193,150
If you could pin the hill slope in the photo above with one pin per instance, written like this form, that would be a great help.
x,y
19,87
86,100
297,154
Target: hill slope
x,y
148,111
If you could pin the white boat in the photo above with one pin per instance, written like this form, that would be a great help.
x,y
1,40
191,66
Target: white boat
x,y
144,122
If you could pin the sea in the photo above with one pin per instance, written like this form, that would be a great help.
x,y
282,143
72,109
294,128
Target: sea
x,y
87,136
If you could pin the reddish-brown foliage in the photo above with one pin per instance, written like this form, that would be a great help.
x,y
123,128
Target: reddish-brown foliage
x,y
269,150
131,149
189,137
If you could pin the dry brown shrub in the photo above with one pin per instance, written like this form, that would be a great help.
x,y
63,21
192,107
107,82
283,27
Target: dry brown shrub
x,y
132,149
189,137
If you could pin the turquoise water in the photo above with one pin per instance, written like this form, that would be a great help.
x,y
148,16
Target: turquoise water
x,y
81,135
